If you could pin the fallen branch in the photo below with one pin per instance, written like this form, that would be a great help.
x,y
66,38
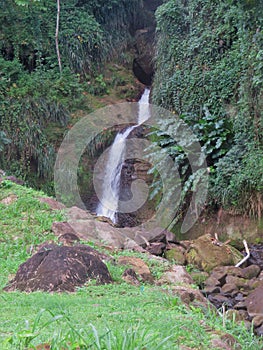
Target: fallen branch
x,y
246,257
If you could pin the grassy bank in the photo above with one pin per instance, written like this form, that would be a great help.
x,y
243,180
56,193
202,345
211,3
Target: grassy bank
x,y
117,316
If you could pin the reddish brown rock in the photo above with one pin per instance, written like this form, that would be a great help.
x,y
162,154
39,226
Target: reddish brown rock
x,y
250,272
52,203
219,300
229,289
260,277
211,290
60,269
219,275
191,296
241,305
13,179
254,302
259,331
138,265
212,281
257,321
236,315
255,283
177,274
238,281
234,271
156,248
62,228
68,239
225,341
75,213
129,276
9,200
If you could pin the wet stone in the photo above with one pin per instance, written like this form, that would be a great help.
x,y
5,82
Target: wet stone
x,y
156,248
211,290
230,289
236,315
211,281
219,300
239,282
259,331
240,305
221,277
257,321
254,302
260,277
256,255
255,283
130,276
239,297
250,272
234,271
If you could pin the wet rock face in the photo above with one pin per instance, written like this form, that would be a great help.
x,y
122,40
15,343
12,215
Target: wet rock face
x,y
132,170
60,269
143,67
152,5
256,255
127,173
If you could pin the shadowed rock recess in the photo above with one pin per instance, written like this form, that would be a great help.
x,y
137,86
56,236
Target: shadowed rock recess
x,y
60,269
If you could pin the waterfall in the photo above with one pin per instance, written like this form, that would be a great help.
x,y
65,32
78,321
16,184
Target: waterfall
x,y
111,185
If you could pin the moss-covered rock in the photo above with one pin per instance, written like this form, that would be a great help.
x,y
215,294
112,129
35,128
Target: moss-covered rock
x,y
207,253
176,255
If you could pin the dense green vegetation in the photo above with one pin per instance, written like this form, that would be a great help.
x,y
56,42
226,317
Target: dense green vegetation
x,y
209,70
110,317
37,100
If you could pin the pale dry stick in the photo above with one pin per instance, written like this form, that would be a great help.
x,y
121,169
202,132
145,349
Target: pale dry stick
x,y
217,242
246,257
224,315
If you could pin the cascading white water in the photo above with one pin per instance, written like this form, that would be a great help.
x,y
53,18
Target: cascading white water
x,y
144,108
112,176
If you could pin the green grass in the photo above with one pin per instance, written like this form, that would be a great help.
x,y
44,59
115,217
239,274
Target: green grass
x,y
110,317
23,225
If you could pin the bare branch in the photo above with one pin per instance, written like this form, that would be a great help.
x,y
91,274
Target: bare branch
x,y
56,37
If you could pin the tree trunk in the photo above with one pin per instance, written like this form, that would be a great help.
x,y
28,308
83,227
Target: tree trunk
x,y
56,37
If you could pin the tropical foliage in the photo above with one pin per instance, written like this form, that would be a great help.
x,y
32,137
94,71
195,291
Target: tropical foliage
x,y
209,70
36,100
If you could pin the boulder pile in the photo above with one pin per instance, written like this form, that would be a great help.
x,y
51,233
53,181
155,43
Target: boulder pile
x,y
238,291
